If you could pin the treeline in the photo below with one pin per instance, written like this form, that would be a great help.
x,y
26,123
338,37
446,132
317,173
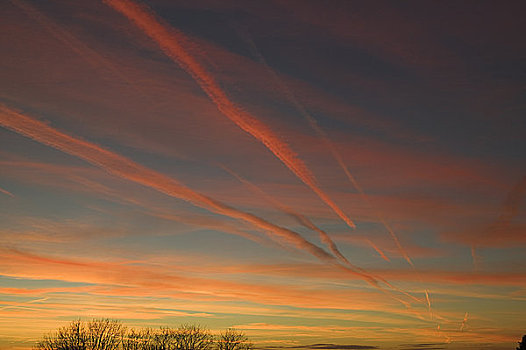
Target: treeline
x,y
106,334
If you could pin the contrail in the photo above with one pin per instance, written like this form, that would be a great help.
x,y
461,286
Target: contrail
x,y
330,145
177,47
378,250
428,304
23,303
300,218
129,170
337,156
324,237
463,325
91,56
6,192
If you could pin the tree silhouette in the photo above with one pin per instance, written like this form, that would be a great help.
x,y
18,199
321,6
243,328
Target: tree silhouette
x,y
522,344
165,339
233,339
103,334
142,339
106,334
191,337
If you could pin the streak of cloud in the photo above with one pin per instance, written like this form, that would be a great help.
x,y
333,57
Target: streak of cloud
x,y
300,218
91,56
176,46
78,176
127,169
337,156
6,192
21,305
284,89
378,250
428,301
324,237
464,321
147,278
325,346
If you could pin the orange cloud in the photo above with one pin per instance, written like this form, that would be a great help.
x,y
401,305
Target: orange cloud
x,y
129,170
130,278
300,218
174,44
6,192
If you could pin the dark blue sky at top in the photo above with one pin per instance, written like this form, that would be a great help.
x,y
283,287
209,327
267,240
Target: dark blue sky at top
x,y
461,85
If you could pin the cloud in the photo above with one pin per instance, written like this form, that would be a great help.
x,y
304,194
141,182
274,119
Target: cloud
x,y
127,169
6,192
423,346
126,278
503,231
336,155
300,218
175,45
328,347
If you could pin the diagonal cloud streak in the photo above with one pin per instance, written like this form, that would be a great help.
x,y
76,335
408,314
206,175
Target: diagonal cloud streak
x,y
300,218
176,46
284,89
88,54
6,192
464,321
129,170
324,237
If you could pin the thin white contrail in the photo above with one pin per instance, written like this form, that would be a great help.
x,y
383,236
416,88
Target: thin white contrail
x,y
464,321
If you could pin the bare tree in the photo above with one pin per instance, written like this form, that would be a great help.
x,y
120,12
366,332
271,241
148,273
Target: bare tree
x,y
103,334
165,339
233,339
106,334
191,337
186,337
142,339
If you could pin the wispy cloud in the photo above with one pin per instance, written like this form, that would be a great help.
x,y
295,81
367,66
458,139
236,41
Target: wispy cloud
x,y
175,45
300,218
6,192
129,170
327,346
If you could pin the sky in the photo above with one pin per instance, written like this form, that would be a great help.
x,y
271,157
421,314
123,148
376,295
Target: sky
x,y
320,175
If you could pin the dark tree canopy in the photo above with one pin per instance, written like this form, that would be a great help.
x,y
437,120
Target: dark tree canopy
x,y
105,334
233,339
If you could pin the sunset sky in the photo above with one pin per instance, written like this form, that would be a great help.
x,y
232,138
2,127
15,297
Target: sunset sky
x,y
346,173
